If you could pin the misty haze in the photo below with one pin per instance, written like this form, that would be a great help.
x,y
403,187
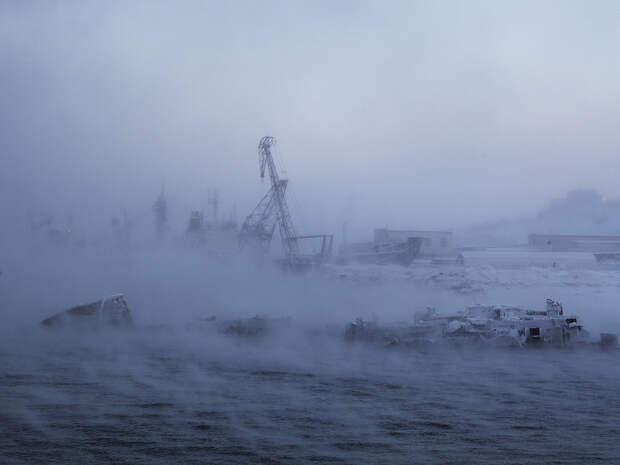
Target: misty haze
x,y
352,232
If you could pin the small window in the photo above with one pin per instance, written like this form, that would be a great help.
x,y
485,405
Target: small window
x,y
444,242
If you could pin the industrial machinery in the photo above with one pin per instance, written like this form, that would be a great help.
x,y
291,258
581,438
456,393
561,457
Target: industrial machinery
x,y
260,224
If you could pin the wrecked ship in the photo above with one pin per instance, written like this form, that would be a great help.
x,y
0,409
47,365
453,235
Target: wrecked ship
x,y
109,311
486,325
253,327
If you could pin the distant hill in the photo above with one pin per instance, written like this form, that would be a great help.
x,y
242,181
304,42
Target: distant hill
x,y
583,211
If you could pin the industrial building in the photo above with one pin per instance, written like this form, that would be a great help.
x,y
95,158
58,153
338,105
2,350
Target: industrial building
x,y
434,243
574,243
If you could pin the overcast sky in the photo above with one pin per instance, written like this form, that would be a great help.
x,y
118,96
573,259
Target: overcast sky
x,y
407,114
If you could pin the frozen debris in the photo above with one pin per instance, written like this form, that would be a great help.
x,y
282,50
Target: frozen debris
x,y
394,335
255,326
429,312
109,311
609,341
483,325
607,258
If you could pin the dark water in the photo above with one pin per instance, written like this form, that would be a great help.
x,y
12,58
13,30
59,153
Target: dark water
x,y
183,397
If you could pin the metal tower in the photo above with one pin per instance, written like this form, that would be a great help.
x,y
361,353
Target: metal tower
x,y
260,224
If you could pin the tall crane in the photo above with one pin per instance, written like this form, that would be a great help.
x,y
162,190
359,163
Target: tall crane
x,y
260,224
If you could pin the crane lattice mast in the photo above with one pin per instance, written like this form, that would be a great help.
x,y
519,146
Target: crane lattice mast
x,y
285,223
260,224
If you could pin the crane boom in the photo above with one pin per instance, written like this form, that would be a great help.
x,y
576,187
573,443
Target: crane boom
x,y
285,222
260,223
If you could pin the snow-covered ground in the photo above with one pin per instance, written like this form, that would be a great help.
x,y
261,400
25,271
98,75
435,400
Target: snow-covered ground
x,y
466,279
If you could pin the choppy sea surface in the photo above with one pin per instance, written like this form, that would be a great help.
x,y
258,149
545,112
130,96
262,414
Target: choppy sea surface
x,y
166,396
